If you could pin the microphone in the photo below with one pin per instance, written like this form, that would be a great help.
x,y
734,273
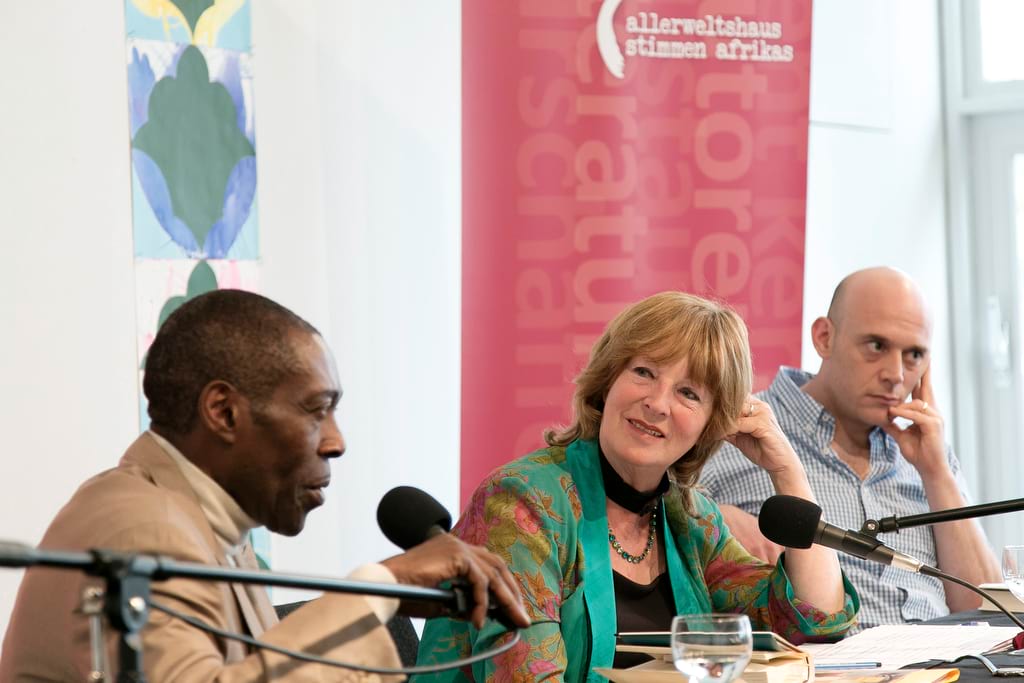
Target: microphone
x,y
409,516
796,523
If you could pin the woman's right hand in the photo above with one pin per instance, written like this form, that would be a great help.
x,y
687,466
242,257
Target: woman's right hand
x,y
760,438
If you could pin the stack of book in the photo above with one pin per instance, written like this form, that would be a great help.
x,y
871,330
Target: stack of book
x,y
1001,593
774,660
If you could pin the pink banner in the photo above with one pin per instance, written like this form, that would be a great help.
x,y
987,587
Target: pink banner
x,y
613,149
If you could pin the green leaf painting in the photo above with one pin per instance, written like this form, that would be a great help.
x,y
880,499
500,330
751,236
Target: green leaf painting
x,y
201,281
192,10
193,137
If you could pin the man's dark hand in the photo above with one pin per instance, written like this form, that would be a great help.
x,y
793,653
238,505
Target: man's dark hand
x,y
445,557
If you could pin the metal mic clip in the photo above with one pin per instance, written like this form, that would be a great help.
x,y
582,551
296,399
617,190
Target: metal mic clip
x,y
870,527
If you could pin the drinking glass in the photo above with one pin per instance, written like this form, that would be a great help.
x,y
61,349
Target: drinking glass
x,y
711,648
1013,569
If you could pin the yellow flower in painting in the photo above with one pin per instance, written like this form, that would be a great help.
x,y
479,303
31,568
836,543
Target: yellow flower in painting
x,y
202,19
164,10
213,20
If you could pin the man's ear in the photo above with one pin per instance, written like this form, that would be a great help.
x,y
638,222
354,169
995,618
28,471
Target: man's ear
x,y
220,406
823,336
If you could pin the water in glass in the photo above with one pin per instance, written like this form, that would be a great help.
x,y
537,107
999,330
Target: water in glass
x,y
1013,569
711,648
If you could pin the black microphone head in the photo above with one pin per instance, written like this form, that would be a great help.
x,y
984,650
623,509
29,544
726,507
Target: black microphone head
x,y
407,515
789,521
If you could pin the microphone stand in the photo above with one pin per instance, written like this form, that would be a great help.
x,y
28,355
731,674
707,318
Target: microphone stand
x,y
128,576
894,523
873,527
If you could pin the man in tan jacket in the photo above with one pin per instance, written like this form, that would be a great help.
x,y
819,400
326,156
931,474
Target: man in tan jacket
x,y
242,395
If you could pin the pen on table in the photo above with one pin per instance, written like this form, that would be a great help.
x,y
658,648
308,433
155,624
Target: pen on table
x,y
839,666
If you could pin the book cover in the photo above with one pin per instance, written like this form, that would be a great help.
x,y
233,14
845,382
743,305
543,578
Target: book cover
x,y
774,660
662,671
890,676
768,646
1001,593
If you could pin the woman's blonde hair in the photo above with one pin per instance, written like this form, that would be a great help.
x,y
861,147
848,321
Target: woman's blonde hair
x,y
665,328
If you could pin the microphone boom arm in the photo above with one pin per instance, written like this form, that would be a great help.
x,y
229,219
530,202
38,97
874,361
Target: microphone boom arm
x,y
160,568
128,575
895,523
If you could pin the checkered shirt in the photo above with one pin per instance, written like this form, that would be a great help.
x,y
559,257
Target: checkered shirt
x,y
892,487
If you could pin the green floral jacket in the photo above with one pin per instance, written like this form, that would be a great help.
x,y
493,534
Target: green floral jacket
x,y
544,514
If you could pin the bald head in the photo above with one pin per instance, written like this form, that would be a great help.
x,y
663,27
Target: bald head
x,y
874,347
879,287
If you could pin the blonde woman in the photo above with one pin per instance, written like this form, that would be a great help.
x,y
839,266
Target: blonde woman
x,y
604,529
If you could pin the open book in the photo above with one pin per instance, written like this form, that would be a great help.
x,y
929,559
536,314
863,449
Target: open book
x,y
774,660
890,676
1001,593
661,671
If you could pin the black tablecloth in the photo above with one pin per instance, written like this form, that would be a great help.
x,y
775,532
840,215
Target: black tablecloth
x,y
994,618
972,671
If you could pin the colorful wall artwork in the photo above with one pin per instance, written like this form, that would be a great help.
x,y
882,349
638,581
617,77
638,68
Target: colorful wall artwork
x,y
193,153
193,150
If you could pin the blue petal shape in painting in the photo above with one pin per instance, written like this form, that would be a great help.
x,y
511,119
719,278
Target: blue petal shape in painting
x,y
140,84
231,79
172,70
159,198
238,196
241,186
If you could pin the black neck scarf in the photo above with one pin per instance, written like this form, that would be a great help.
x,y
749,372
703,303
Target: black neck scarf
x,y
621,493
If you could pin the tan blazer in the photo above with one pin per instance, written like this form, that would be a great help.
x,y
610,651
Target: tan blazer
x,y
145,505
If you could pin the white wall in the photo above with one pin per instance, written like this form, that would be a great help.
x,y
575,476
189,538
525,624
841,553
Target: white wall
x,y
876,183
68,405
359,194
359,155
359,202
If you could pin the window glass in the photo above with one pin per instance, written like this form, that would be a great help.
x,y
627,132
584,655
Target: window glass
x,y
1018,192
1001,22
1018,204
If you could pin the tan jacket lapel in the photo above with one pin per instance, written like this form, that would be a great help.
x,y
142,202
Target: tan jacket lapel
x,y
253,603
253,599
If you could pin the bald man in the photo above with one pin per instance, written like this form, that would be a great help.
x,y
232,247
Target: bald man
x,y
874,348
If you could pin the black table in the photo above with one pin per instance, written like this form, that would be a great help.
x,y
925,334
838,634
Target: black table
x,y
994,618
972,671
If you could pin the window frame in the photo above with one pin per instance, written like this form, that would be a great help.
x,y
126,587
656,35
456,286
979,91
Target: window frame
x,y
985,275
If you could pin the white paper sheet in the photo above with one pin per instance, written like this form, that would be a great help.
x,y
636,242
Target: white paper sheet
x,y
895,646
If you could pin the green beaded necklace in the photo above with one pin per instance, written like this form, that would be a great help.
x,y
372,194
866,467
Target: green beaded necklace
x,y
636,559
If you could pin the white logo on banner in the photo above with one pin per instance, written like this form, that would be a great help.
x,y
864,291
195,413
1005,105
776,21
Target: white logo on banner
x,y
607,45
650,35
